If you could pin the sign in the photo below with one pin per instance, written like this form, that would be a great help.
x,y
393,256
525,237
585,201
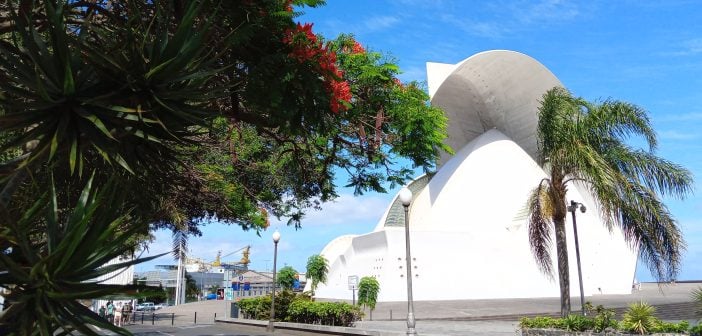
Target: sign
x,y
353,282
241,278
228,294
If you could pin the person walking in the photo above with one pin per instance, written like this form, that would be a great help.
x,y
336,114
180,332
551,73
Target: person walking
x,y
118,315
110,312
126,312
102,311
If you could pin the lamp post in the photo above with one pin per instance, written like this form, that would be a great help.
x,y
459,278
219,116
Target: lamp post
x,y
405,197
571,208
276,238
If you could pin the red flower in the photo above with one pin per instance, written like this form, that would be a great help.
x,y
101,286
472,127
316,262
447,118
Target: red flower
x,y
307,48
357,48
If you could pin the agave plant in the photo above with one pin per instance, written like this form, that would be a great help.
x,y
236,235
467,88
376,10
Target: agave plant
x,y
639,318
51,257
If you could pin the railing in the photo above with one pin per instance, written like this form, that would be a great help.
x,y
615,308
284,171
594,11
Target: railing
x,y
154,318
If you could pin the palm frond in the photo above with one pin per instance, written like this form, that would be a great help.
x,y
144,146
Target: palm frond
x,y
649,226
540,227
661,175
615,119
180,244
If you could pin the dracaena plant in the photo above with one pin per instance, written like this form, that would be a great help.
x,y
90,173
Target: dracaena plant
x,y
121,88
52,256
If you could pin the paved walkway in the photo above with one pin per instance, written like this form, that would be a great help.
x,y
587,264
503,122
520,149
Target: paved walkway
x,y
475,317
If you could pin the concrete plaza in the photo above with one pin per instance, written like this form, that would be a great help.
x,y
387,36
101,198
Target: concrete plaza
x,y
472,317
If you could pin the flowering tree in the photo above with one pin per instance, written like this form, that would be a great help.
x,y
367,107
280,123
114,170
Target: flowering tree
x,y
195,109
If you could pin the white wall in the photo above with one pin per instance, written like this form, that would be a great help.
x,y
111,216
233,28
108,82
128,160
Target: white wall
x,y
469,235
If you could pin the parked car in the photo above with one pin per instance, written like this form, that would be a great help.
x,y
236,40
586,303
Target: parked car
x,y
146,306
159,306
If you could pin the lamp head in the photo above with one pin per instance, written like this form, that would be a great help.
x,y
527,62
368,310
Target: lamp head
x,y
582,208
276,236
405,196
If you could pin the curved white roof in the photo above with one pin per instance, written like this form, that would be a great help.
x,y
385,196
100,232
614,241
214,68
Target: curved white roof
x,y
493,89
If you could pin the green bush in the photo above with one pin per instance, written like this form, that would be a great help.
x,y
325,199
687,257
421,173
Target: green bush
x,y
300,308
325,313
540,322
604,318
258,308
667,327
578,323
637,319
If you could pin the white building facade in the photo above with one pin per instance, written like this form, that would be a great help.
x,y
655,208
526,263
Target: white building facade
x,y
469,235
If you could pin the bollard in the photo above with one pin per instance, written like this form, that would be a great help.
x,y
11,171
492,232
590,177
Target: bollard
x,y
215,318
142,317
195,317
390,314
153,318
371,314
172,318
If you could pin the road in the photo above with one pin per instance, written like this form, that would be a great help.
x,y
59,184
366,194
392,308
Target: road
x,y
199,329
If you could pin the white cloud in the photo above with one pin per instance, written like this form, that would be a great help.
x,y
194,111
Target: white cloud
x,y
379,23
687,48
546,11
486,29
677,135
348,209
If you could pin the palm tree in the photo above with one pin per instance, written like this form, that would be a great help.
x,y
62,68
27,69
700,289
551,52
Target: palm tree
x,y
584,143
317,269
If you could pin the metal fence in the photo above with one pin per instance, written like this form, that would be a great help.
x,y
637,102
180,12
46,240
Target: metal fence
x,y
179,319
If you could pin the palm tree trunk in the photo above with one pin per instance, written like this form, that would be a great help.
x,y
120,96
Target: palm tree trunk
x,y
563,273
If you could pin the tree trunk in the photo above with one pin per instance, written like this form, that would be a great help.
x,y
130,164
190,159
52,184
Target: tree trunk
x,y
563,272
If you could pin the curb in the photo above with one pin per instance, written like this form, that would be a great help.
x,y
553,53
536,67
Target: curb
x,y
311,328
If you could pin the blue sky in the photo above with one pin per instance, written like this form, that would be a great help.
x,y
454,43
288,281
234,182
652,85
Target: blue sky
x,y
645,52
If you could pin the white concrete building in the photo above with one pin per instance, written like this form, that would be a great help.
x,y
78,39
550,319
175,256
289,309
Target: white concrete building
x,y
124,276
468,231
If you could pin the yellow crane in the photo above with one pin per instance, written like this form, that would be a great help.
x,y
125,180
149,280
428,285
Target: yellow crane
x,y
244,259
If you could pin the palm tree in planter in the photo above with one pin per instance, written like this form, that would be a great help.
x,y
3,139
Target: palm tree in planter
x,y
585,143
317,269
368,289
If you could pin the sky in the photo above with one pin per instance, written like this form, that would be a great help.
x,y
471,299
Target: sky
x,y
645,52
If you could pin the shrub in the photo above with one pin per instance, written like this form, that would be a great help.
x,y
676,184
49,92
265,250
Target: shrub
x,y
604,318
696,330
325,313
639,318
667,327
578,323
540,322
258,308
300,308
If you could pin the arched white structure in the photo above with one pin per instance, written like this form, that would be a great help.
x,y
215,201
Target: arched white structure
x,y
468,232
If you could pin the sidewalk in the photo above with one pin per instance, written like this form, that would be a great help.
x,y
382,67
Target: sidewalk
x,y
483,317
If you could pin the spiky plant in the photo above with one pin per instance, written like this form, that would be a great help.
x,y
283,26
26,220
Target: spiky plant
x,y
52,257
586,143
639,318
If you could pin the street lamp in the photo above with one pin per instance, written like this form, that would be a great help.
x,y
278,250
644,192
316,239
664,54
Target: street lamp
x,y
571,208
276,239
405,197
